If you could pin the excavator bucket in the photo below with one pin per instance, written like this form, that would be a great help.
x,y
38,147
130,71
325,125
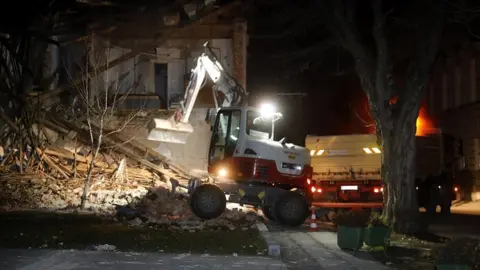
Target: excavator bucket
x,y
169,131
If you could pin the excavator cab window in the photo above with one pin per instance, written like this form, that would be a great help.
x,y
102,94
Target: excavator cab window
x,y
261,129
225,135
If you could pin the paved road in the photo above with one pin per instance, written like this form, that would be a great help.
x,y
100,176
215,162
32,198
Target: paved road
x,y
301,249
455,225
92,260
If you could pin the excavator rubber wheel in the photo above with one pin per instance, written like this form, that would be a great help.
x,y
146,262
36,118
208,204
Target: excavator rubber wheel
x,y
291,209
208,201
268,213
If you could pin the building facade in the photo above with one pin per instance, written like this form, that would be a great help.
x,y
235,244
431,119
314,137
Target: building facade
x,y
453,99
152,58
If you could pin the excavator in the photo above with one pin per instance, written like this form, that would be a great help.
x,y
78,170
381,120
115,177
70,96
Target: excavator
x,y
245,164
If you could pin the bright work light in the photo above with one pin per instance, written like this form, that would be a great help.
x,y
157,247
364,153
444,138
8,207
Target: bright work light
x,y
267,109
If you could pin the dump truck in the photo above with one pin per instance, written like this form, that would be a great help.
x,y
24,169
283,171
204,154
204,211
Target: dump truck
x,y
347,171
245,164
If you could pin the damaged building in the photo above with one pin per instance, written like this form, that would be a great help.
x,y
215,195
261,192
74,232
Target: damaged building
x,y
154,56
147,51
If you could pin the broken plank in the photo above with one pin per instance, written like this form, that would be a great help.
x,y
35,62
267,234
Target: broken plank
x,y
69,155
51,163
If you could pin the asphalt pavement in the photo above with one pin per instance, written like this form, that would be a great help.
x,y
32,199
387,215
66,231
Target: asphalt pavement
x,y
455,225
38,259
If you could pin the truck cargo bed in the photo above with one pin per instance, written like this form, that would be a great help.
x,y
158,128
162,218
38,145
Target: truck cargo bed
x,y
358,157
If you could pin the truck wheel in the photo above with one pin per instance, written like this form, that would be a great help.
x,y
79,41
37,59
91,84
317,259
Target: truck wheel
x,y
268,213
291,209
208,201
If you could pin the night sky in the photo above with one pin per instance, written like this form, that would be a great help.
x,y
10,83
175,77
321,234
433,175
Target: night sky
x,y
281,59
335,103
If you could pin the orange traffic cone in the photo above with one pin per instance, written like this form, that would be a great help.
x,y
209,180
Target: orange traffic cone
x,y
313,221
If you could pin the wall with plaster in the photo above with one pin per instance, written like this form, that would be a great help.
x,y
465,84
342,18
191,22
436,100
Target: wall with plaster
x,y
139,71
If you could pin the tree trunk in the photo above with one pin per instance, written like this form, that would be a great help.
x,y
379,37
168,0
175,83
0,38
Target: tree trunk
x,y
399,165
88,179
86,185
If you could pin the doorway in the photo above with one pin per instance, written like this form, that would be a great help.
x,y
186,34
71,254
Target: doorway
x,y
161,84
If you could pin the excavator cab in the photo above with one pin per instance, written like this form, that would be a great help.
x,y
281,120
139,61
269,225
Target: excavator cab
x,y
234,127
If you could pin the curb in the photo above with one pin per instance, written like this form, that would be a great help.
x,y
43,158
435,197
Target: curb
x,y
272,246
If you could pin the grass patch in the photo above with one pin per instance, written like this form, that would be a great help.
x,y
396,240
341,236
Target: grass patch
x,y
410,253
81,231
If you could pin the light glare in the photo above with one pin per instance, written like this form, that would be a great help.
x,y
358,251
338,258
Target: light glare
x,y
267,109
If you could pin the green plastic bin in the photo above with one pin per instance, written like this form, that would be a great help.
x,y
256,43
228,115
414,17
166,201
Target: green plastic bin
x,y
350,238
377,236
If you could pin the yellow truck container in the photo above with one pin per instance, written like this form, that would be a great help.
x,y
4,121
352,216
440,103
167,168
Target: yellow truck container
x,y
346,168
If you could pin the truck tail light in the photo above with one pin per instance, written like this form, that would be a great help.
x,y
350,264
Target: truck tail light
x,y
311,182
378,189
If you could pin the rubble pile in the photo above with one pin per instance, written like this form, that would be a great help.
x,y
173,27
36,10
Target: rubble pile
x,y
139,204
30,192
161,207
52,172
126,176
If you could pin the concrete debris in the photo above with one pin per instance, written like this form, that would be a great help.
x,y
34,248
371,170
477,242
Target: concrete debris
x,y
54,195
163,208
134,204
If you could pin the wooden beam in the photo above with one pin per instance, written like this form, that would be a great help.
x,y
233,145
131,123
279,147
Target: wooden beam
x,y
208,31
162,34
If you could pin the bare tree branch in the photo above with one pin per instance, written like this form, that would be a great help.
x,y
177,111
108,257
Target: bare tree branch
x,y
100,93
428,44
383,75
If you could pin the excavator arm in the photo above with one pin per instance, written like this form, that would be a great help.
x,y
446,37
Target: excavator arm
x,y
227,92
232,93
